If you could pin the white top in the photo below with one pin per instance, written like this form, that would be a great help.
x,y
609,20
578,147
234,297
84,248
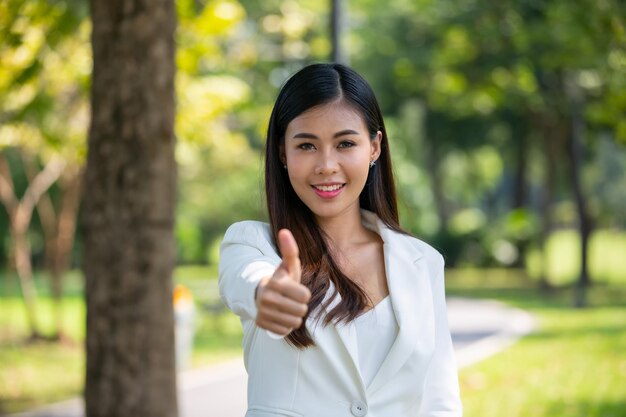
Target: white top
x,y
376,330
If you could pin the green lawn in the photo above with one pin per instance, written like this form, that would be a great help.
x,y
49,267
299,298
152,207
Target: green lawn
x,y
36,374
573,366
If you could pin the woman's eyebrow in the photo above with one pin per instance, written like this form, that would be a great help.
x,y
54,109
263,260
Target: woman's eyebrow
x,y
304,135
345,132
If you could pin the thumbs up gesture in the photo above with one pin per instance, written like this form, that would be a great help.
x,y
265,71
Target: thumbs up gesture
x,y
281,299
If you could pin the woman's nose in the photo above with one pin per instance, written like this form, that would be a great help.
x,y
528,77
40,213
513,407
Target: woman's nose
x,y
326,164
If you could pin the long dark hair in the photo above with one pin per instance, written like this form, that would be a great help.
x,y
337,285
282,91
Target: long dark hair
x,y
313,86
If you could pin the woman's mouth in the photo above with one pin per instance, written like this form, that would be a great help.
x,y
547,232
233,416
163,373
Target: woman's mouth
x,y
328,190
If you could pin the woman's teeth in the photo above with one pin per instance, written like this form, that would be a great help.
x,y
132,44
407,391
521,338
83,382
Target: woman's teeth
x,y
328,187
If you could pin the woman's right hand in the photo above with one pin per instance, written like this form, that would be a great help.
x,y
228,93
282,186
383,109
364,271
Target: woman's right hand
x,y
282,300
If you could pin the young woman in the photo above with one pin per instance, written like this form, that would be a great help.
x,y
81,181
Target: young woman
x,y
343,313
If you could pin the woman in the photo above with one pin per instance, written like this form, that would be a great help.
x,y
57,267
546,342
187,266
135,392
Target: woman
x,y
343,312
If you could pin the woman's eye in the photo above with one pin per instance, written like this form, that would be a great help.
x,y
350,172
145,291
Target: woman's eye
x,y
306,146
346,144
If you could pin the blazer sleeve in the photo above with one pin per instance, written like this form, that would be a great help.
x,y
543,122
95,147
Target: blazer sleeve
x,y
441,390
246,256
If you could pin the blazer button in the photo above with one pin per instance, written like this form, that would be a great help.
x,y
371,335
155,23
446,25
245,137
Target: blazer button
x,y
358,408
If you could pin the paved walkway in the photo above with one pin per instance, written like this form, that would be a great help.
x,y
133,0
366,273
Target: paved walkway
x,y
479,329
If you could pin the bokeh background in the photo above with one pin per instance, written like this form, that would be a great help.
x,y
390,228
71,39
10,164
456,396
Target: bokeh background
x,y
508,134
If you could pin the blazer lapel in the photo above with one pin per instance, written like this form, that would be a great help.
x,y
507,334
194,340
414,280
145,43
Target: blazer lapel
x,y
346,332
411,297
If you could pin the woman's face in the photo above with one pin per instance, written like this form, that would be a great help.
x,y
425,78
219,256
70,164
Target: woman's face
x,y
328,151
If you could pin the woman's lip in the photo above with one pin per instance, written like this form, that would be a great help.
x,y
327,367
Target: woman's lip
x,y
328,194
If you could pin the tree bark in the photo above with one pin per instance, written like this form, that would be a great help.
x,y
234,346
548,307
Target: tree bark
x,y
129,212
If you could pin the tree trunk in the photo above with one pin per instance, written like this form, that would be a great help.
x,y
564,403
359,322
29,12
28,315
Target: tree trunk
x,y
20,251
554,136
521,165
59,227
520,183
553,139
547,202
23,267
63,242
20,214
575,154
129,204
436,180
47,218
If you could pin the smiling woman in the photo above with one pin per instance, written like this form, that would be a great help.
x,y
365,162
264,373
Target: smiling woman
x,y
343,313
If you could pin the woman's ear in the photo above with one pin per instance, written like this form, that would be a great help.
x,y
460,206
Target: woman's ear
x,y
281,154
375,145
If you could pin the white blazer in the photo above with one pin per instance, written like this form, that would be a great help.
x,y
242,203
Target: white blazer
x,y
417,378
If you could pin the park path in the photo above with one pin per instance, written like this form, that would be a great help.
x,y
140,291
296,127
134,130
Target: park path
x,y
479,329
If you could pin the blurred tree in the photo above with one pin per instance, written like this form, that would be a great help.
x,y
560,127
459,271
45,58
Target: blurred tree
x,y
43,113
59,228
218,167
20,212
495,75
129,205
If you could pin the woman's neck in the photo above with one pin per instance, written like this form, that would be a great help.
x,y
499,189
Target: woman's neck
x,y
344,230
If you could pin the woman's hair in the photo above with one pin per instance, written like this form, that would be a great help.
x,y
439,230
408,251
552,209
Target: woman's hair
x,y
313,86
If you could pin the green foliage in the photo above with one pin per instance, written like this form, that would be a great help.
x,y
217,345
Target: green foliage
x,y
493,82
44,78
465,86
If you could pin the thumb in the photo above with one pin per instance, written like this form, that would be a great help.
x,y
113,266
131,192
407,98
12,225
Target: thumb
x,y
289,251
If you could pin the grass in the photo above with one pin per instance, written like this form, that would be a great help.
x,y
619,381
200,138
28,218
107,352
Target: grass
x,y
40,373
574,365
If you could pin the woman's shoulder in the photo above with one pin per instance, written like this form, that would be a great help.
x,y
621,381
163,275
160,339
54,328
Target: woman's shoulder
x,y
417,247
425,249
248,230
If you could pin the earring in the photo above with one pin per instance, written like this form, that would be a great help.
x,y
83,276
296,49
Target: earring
x,y
285,166
372,163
